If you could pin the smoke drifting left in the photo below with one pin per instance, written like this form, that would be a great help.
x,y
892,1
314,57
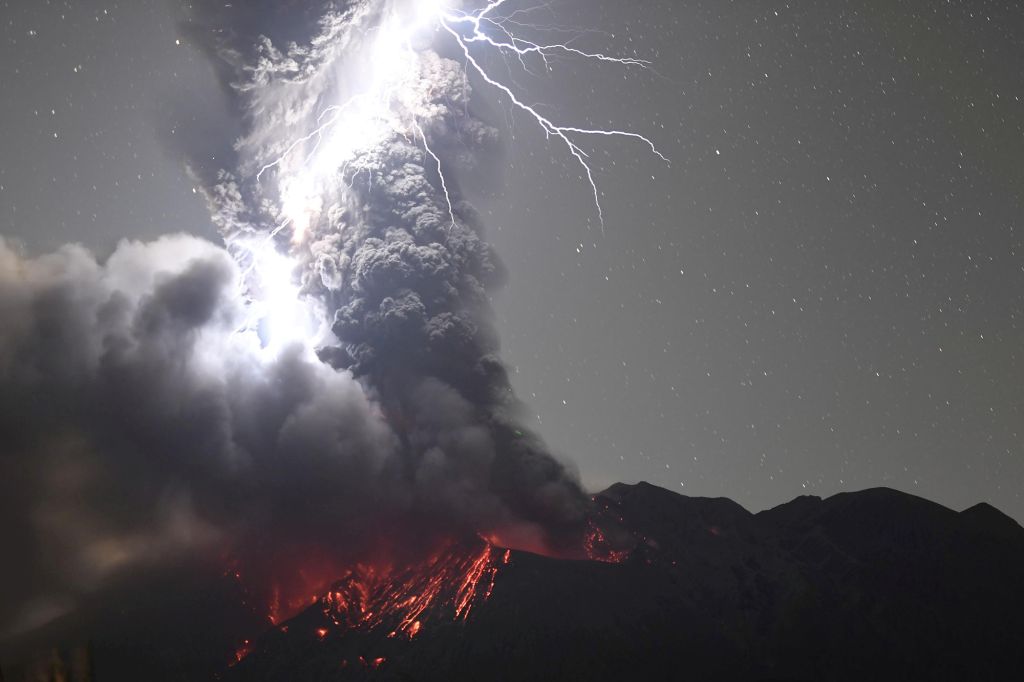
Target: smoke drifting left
x,y
140,429
172,478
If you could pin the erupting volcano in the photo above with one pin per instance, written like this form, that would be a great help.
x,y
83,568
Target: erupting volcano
x,y
292,450
374,610
401,601
320,401
705,584
447,584
404,598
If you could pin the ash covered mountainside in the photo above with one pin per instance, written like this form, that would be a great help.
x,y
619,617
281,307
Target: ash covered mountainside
x,y
875,585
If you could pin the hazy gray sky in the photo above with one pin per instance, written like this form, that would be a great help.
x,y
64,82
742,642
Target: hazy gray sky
x,y
822,293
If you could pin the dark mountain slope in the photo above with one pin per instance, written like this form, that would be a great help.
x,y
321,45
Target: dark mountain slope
x,y
871,585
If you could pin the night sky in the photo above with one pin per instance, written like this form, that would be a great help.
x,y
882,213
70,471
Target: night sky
x,y
823,292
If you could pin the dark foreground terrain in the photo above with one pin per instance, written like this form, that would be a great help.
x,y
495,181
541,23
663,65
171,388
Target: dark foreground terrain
x,y
874,585
861,586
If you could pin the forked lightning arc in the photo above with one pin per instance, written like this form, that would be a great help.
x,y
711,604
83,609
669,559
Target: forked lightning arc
x,y
388,105
467,28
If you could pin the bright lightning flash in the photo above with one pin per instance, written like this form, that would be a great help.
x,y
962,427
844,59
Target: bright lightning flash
x,y
473,25
395,99
279,315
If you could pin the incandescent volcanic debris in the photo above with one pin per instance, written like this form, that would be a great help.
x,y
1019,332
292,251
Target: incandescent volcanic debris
x,y
871,585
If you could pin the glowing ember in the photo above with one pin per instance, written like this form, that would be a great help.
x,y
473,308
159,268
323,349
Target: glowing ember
x,y
274,607
599,549
242,652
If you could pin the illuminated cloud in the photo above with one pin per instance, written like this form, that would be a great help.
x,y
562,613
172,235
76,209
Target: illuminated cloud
x,y
328,378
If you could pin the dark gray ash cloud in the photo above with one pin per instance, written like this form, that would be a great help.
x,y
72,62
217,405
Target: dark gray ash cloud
x,y
138,426
404,280
143,424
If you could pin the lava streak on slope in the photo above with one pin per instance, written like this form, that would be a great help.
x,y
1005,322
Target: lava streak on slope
x,y
368,616
447,585
363,620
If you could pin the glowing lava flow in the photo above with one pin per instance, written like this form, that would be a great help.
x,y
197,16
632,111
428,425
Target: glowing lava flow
x,y
399,601
448,585
382,604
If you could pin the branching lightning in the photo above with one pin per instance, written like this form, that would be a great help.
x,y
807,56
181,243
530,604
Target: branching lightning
x,y
473,20
382,102
396,101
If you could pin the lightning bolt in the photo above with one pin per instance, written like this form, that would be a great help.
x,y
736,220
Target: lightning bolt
x,y
440,172
522,48
388,106
335,112
470,28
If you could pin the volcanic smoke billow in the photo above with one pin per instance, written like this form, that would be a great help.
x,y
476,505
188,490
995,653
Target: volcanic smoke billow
x,y
323,389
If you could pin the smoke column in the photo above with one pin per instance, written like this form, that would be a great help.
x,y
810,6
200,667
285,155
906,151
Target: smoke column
x,y
325,383
345,167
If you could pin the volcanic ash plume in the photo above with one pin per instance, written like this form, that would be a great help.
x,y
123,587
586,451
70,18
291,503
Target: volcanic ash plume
x,y
346,164
138,424
324,385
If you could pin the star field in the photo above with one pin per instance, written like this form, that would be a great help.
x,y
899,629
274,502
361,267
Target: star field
x,y
823,291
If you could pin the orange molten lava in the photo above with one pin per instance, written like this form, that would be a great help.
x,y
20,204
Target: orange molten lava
x,y
401,599
448,585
